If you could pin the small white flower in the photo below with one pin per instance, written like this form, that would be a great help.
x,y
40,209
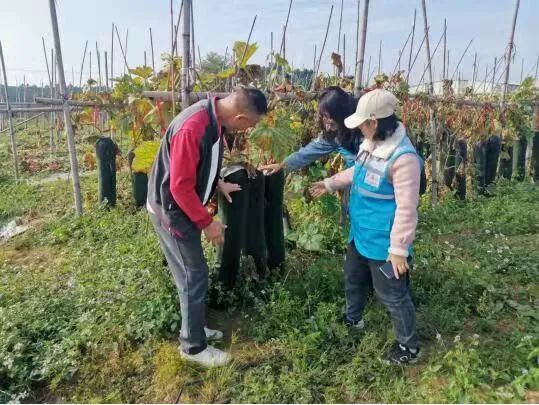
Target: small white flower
x,y
524,371
438,336
475,336
487,231
457,339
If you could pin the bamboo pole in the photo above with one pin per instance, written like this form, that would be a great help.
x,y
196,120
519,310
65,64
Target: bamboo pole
x,y
368,77
126,67
340,28
98,66
460,60
536,68
51,118
151,45
474,72
82,64
145,61
428,65
434,137
90,64
10,119
522,71
67,118
185,61
281,48
112,58
344,55
322,49
248,40
380,58
411,47
124,53
357,34
401,51
445,49
193,51
185,55
510,51
22,122
176,30
415,58
106,72
360,62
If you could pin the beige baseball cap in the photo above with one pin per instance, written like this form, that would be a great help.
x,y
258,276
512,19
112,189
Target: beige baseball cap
x,y
375,104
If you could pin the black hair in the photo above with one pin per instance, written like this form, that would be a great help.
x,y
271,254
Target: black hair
x,y
255,100
386,127
338,105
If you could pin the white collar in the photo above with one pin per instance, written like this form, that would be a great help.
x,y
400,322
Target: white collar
x,y
384,149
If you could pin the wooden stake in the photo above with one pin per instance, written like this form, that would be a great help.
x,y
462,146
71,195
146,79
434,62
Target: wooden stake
x,y
281,48
124,53
90,64
177,29
151,45
360,62
145,61
474,70
193,48
401,51
10,119
126,68
67,118
434,137
185,61
322,49
509,53
344,55
460,60
368,71
357,34
340,27
411,47
521,72
106,72
98,66
248,40
82,64
445,49
112,58
186,57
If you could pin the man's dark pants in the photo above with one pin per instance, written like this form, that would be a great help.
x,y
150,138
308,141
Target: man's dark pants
x,y
360,274
188,266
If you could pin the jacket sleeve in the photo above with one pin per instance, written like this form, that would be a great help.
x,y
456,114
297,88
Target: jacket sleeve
x,y
309,153
405,174
184,158
340,180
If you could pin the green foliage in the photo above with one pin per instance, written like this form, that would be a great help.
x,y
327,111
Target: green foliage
x,y
144,156
243,53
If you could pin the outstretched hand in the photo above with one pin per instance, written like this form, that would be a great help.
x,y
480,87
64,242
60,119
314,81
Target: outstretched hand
x,y
273,168
318,189
226,188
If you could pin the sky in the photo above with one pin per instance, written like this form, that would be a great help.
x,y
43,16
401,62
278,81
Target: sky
x,y
218,23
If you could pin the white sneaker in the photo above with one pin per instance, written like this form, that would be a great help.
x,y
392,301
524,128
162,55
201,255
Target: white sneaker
x,y
209,357
213,334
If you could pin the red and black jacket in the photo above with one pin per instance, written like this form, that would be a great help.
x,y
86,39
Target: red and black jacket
x,y
186,170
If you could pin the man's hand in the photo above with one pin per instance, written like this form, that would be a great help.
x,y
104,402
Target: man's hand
x,y
400,264
226,188
271,169
215,232
318,189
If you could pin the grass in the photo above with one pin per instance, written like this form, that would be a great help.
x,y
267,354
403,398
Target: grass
x,y
88,312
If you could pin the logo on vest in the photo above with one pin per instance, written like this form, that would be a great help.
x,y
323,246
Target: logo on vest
x,y
372,179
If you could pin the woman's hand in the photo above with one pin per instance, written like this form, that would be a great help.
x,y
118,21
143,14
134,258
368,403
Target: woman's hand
x,y
226,188
400,264
318,189
268,170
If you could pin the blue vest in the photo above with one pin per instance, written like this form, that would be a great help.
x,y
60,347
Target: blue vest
x,y
372,203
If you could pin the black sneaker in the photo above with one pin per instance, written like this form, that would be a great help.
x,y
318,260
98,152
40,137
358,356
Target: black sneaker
x,y
400,354
351,324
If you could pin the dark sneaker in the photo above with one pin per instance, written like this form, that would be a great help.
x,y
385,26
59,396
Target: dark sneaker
x,y
400,354
351,324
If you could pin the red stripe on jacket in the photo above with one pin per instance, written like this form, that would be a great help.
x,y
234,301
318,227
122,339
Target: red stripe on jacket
x,y
184,159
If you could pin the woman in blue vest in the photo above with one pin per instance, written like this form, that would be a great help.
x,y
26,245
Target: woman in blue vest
x,y
383,216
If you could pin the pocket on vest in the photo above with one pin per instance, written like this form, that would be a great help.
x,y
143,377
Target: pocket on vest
x,y
373,224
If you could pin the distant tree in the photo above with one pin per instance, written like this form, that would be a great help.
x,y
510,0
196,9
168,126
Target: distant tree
x,y
213,63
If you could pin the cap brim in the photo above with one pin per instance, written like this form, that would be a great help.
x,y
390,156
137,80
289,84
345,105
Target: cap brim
x,y
354,121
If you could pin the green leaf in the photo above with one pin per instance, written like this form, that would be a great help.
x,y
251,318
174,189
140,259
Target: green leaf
x,y
144,72
242,55
144,156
